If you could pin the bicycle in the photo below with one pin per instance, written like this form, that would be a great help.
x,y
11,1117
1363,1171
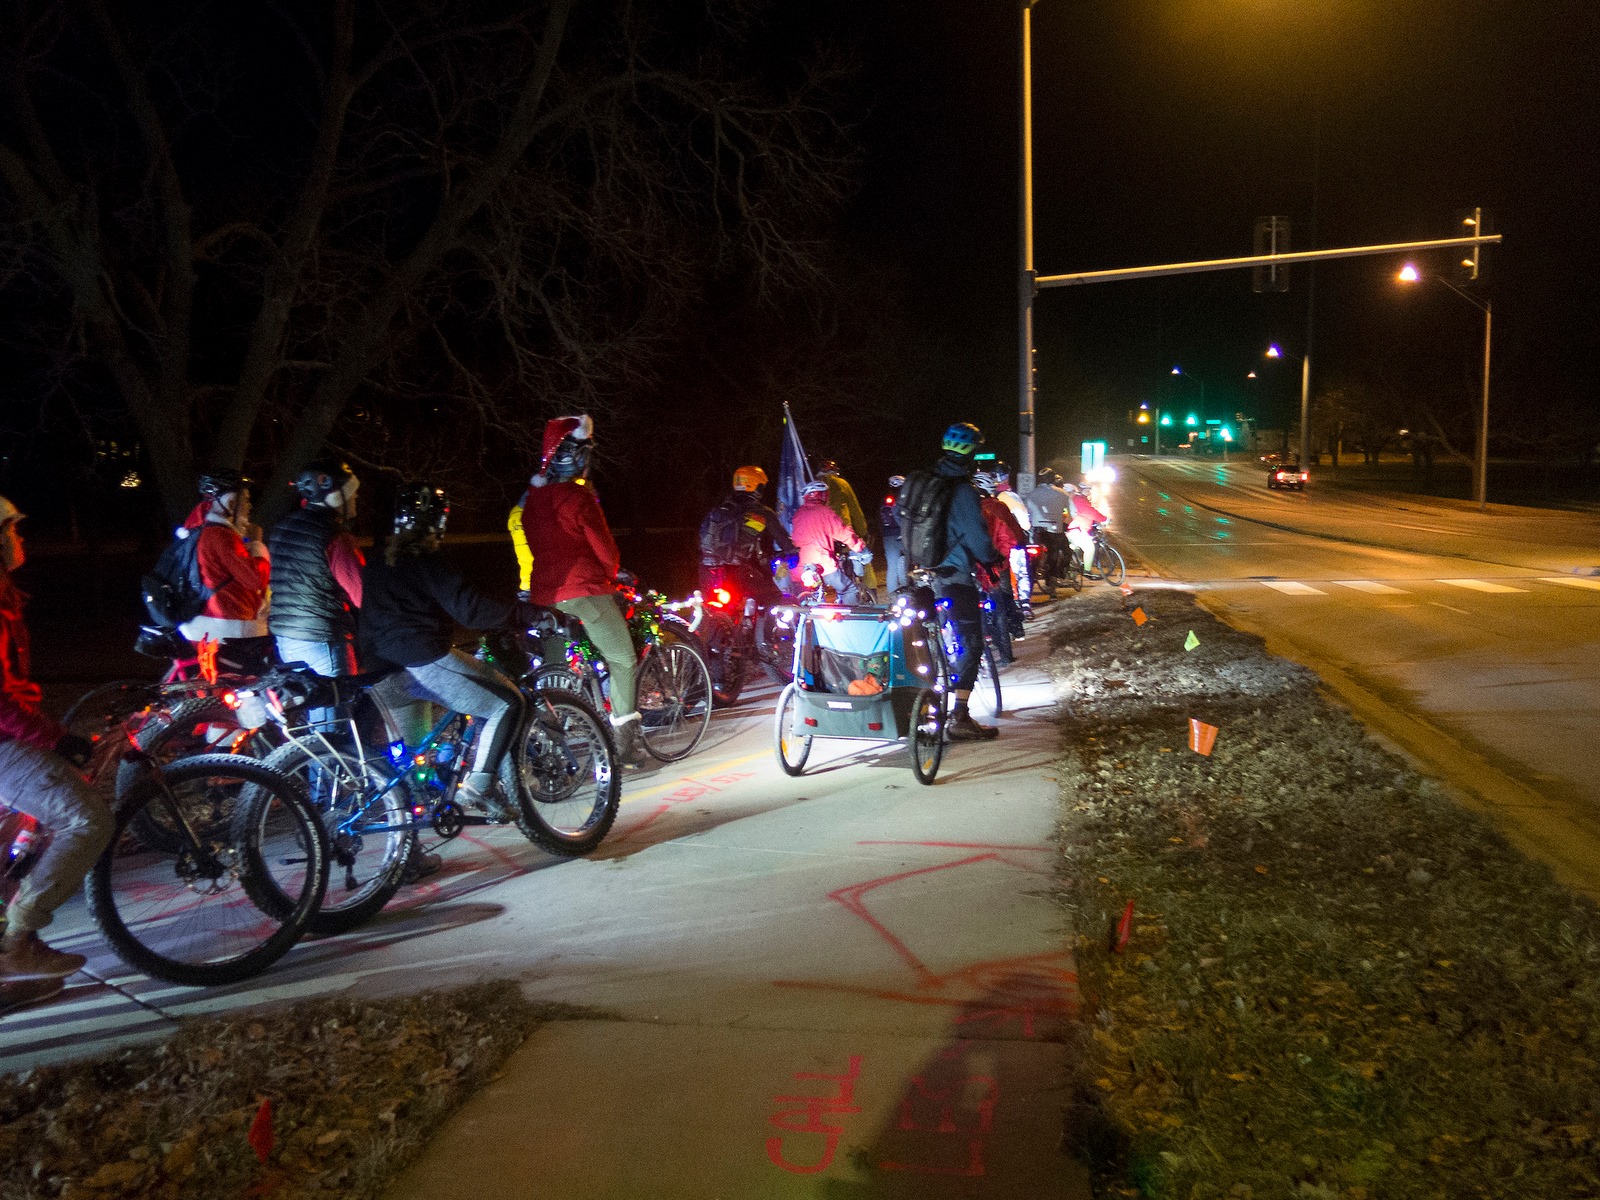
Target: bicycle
x,y
559,779
1109,565
671,678
198,914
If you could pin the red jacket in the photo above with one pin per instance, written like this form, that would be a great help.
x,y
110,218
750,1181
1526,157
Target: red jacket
x,y
816,528
1084,513
1004,529
574,554
19,696
238,580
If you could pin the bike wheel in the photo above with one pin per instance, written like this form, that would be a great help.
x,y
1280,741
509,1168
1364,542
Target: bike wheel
x,y
187,915
673,686
564,775
777,639
986,688
367,823
927,735
792,749
110,716
723,657
198,726
1112,567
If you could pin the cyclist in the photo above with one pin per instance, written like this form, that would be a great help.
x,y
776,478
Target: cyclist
x,y
1085,517
842,499
235,568
1047,503
1002,617
1022,589
818,531
889,521
573,563
739,539
37,777
317,572
944,531
413,600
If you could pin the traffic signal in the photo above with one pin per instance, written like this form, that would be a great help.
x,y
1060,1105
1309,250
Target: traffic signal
x,y
1474,228
1191,419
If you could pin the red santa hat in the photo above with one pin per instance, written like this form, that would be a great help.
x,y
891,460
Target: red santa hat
x,y
559,429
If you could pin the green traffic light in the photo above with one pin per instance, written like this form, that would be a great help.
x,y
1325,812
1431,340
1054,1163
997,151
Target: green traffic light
x,y
1166,418
1191,419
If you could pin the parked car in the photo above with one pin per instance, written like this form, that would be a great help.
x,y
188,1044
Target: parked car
x,y
1287,475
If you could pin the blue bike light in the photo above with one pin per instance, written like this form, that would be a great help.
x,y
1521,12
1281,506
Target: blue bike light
x,y
397,752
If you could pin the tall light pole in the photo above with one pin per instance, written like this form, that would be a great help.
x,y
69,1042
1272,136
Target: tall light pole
x,y
1201,382
1027,286
1305,396
1480,464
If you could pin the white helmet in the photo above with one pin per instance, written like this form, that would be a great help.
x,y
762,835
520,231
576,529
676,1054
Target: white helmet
x,y
1071,489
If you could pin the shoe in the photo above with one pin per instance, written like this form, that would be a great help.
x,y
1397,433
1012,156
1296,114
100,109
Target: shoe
x,y
630,745
962,728
30,958
419,866
24,992
482,790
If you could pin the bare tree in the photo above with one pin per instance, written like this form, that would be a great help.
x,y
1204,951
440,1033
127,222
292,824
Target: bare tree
x,y
332,220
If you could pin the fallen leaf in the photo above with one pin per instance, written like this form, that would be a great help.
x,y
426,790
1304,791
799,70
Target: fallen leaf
x,y
1260,870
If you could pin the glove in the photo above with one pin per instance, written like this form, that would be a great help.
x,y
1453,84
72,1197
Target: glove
x,y
76,750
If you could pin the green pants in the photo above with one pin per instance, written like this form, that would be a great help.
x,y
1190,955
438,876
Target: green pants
x,y
607,629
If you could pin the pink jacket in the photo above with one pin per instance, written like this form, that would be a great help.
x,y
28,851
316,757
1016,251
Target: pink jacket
x,y
20,717
816,528
1084,514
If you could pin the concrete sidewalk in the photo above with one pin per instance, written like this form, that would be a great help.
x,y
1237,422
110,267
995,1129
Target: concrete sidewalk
x,y
840,985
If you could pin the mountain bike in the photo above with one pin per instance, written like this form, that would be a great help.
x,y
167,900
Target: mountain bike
x,y
1109,565
672,680
193,914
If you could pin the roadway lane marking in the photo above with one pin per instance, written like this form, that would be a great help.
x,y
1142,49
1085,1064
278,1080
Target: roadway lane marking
x,y
1450,608
1479,585
1573,581
1367,585
1290,588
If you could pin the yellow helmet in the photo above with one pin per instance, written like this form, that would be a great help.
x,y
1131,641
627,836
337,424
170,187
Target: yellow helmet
x,y
749,479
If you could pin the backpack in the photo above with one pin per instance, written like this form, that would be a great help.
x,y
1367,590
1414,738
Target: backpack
x,y
925,517
719,535
173,591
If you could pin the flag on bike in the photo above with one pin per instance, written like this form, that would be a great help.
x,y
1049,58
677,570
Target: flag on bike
x,y
794,472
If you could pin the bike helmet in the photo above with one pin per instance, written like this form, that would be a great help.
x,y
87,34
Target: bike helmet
x,y
985,482
962,438
222,482
1002,473
421,509
897,482
568,446
815,488
1047,478
749,479
322,478
827,466
9,512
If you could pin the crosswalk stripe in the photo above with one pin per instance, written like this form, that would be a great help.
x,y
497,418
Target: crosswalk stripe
x,y
1480,585
1290,588
1573,581
1371,586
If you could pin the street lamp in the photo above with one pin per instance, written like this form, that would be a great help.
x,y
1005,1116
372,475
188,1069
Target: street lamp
x,y
1027,283
1480,465
1275,351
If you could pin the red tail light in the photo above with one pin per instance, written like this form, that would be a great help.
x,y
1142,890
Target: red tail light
x,y
231,698
720,597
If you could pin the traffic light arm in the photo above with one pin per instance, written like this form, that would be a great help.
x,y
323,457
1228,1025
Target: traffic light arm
x,y
1255,260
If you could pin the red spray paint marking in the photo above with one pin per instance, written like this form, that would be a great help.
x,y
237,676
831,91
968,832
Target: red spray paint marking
x,y
691,790
935,1108
260,1135
812,1109
1124,927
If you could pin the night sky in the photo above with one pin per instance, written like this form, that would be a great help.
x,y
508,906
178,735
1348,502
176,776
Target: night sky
x,y
1163,128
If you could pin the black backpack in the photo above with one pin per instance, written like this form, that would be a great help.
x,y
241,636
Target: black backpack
x,y
719,535
925,517
173,592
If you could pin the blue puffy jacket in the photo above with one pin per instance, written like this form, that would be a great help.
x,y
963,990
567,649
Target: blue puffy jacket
x,y
967,540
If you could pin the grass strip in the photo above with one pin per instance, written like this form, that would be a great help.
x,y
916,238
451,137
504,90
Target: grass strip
x,y
356,1088
1337,981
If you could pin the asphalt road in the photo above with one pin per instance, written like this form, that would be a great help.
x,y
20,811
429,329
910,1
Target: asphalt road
x,y
845,984
1470,638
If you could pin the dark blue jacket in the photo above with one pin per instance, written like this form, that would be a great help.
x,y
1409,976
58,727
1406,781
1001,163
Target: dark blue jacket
x,y
967,540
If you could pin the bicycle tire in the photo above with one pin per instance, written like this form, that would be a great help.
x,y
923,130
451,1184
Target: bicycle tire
x,y
927,735
793,761
109,716
1113,568
988,680
727,665
673,690
566,745
149,904
369,880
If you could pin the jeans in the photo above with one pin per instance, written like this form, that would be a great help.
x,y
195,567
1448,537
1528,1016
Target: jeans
x,y
327,659
459,683
895,556
44,785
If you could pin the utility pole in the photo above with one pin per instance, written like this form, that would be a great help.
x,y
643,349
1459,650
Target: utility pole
x,y
1026,282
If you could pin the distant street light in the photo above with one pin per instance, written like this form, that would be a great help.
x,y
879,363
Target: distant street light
x,y
1275,351
1480,465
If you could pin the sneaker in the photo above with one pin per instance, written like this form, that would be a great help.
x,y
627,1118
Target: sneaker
x,y
482,790
962,728
30,958
419,866
24,992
